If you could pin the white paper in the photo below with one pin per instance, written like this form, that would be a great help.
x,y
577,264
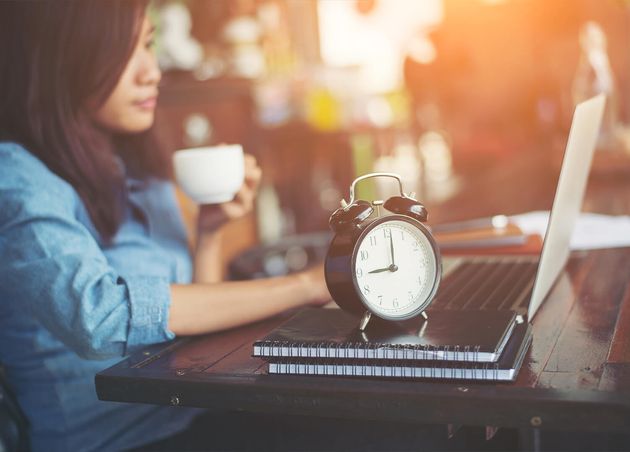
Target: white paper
x,y
592,231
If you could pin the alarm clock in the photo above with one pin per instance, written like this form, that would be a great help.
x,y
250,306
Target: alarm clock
x,y
382,263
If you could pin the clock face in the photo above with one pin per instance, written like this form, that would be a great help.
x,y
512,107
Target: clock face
x,y
396,269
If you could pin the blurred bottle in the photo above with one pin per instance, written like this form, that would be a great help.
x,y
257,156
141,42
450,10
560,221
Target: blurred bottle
x,y
439,181
269,214
593,76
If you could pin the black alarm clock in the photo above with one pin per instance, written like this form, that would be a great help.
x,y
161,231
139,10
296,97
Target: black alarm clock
x,y
382,263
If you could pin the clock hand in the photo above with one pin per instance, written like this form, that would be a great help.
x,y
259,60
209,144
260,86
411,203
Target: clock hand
x,y
393,267
380,270
391,247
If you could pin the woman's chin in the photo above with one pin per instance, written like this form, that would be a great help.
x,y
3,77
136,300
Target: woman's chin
x,y
138,125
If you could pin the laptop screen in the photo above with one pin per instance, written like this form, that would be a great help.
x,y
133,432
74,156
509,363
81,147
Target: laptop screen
x,y
568,198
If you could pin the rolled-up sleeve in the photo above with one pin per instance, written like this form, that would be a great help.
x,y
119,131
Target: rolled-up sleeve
x,y
149,301
53,266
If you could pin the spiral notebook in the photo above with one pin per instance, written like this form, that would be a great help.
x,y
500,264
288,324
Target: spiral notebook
x,y
464,335
505,369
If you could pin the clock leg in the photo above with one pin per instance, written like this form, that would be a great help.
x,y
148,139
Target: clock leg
x,y
364,321
425,322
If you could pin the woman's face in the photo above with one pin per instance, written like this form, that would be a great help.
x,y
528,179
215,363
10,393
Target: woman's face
x,y
130,107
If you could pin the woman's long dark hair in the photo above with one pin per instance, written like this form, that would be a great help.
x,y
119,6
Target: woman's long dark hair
x,y
54,56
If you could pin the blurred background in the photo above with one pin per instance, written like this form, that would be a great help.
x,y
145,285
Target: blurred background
x,y
470,101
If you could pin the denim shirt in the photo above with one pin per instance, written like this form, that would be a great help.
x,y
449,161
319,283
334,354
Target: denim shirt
x,y
71,306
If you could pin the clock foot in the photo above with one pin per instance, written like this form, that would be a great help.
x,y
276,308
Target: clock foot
x,y
424,314
364,321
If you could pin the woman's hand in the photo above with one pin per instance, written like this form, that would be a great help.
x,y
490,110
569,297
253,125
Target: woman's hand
x,y
314,285
211,217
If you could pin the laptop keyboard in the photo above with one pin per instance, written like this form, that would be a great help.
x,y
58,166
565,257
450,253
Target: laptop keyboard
x,y
493,285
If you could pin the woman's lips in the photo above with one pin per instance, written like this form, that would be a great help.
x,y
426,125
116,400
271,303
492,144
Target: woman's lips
x,y
147,104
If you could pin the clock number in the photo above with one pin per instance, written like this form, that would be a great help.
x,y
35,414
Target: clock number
x,y
359,272
363,254
416,245
387,233
395,302
410,295
372,240
380,299
366,289
402,235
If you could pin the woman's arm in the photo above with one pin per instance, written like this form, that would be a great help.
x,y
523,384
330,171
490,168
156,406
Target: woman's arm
x,y
207,264
204,308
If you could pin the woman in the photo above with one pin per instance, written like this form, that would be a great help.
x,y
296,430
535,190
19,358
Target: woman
x,y
95,261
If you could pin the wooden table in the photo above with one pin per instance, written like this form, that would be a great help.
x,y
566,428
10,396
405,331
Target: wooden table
x,y
576,375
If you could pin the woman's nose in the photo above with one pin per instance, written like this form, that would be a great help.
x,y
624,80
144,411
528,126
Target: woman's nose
x,y
150,73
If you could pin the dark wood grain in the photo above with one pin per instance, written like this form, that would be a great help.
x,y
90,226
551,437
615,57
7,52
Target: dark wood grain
x,y
577,358
239,362
620,346
207,352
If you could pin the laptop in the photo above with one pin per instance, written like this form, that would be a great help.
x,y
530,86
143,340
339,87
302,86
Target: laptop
x,y
521,283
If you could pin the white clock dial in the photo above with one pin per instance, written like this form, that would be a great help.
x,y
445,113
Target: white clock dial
x,y
395,269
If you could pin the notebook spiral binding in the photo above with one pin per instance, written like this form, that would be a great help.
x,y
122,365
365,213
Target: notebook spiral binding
x,y
386,369
362,350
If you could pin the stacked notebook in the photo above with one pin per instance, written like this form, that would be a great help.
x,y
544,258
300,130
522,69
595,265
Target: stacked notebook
x,y
462,344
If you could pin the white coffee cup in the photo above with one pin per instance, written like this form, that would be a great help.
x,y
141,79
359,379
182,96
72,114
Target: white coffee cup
x,y
210,174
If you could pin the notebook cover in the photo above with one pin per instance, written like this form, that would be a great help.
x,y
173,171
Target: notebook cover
x,y
529,245
470,236
457,335
506,369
